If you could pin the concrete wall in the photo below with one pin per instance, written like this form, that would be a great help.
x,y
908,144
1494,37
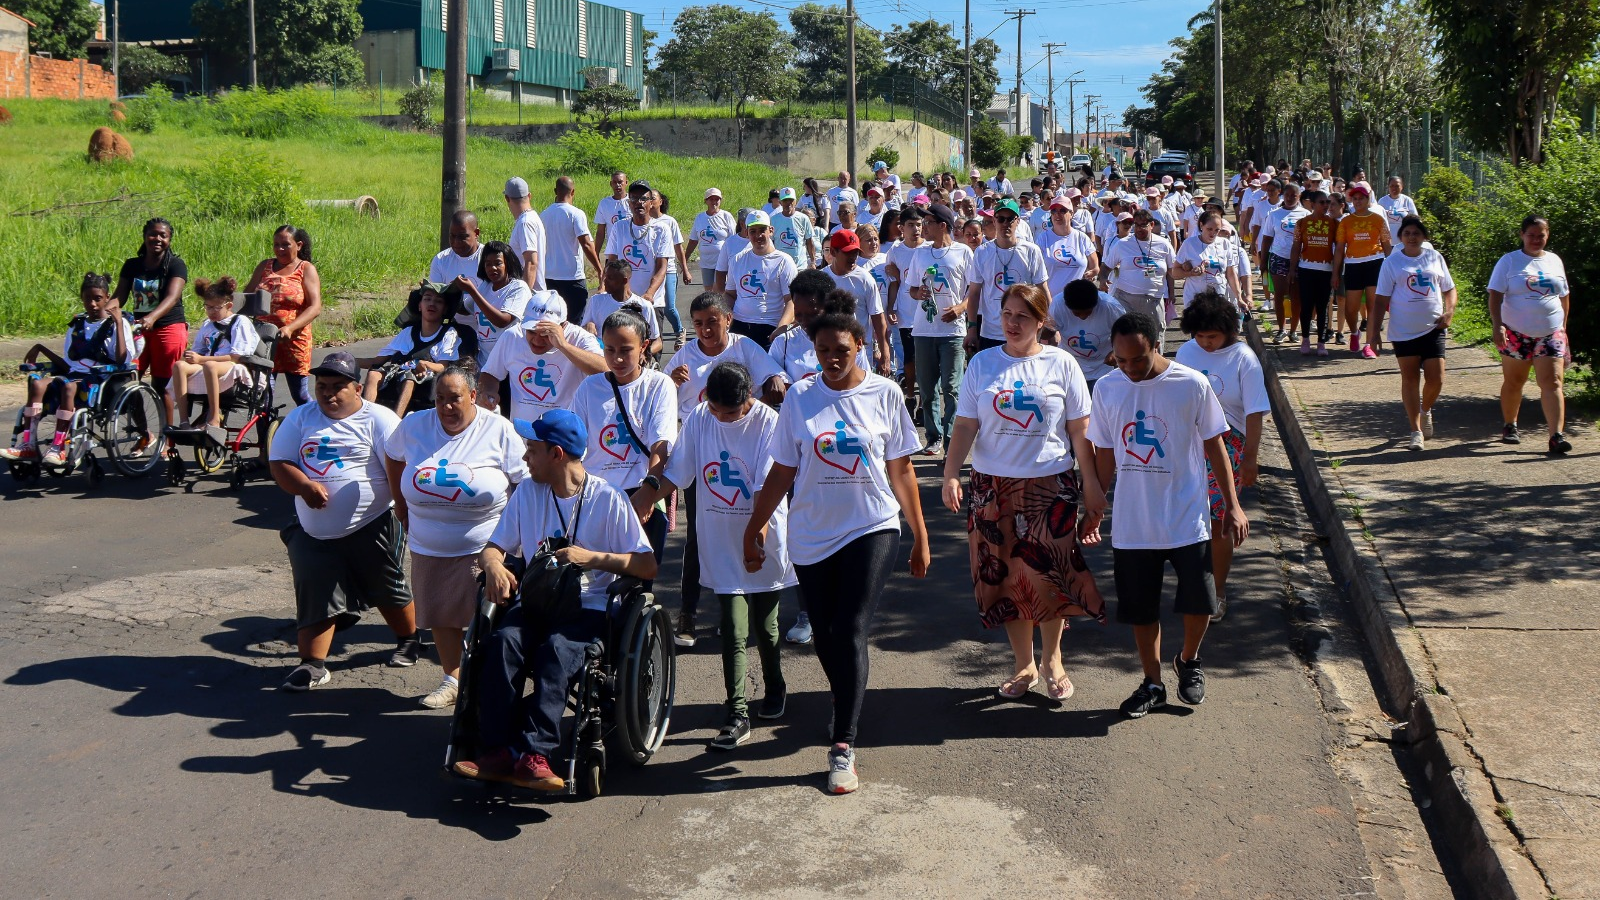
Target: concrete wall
x,y
391,55
22,75
13,33
802,146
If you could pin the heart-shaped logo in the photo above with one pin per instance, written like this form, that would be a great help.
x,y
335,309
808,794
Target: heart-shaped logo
x,y
448,483
1145,437
1017,405
1541,283
1085,344
837,446
1419,283
540,379
750,284
634,254
320,457
725,479
614,441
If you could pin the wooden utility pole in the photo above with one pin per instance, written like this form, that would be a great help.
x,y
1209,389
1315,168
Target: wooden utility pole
x,y
250,10
453,184
1016,121
850,94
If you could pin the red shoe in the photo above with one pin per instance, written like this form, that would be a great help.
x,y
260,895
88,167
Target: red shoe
x,y
534,772
496,766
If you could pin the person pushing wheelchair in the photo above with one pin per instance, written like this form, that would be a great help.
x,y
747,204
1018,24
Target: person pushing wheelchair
x,y
592,526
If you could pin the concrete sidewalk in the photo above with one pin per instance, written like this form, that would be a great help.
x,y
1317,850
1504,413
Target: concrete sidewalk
x,y
1479,564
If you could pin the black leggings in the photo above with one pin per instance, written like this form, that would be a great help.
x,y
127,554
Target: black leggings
x,y
840,595
299,388
689,588
1315,288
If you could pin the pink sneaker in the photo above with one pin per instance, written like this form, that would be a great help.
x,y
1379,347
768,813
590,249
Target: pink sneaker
x,y
1322,349
1305,346
1368,353
1355,343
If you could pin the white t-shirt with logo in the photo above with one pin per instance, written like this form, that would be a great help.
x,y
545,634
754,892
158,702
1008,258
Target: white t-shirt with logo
x,y
513,299
759,285
640,246
1022,407
674,239
606,523
738,349
345,456
611,211
1157,431
1066,257
1142,265
1235,376
652,402
948,284
859,283
563,256
447,348
877,268
455,486
539,381
1088,340
1533,287
839,442
900,256
1260,220
1283,223
794,353
727,463
730,248
996,270
789,236
1213,260
1395,209
838,195
712,232
603,304
1415,286
527,233
447,264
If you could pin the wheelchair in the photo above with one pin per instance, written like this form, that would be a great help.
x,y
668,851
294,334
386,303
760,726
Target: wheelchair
x,y
621,700
114,416
250,416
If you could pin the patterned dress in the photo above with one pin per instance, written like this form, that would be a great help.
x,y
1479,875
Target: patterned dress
x,y
288,290
1023,536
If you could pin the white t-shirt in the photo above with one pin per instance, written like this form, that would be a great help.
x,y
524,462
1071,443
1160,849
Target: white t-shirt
x,y
1415,286
1088,340
1022,407
1533,288
345,456
563,256
860,284
727,463
1213,260
789,236
838,195
1157,430
1066,257
712,232
900,256
839,442
1083,221
1261,220
640,246
996,269
603,304
606,523
865,216
739,349
759,285
1001,186
822,211
794,353
447,265
210,340
1283,222
455,487
1395,209
1235,376
652,401
1142,265
447,348
949,286
730,249
876,268
513,298
90,331
611,211
674,238
539,381
527,233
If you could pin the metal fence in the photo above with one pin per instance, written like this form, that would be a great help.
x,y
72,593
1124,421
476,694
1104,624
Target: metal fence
x,y
889,98
1407,149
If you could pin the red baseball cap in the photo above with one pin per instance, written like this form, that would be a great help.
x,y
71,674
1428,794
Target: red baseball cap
x,y
844,241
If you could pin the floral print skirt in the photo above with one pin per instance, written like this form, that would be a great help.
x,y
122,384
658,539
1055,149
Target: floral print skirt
x,y
1026,565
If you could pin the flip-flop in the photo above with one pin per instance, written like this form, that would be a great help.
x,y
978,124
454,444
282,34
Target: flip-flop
x,y
1055,691
1015,694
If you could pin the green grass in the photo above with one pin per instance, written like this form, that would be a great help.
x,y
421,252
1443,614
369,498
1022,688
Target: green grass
x,y
366,265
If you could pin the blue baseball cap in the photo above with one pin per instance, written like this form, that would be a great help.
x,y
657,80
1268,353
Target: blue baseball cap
x,y
561,427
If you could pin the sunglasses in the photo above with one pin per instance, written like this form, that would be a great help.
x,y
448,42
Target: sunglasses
x,y
1004,219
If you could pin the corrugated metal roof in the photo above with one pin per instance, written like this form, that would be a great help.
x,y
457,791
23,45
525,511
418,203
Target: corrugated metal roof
x,y
554,59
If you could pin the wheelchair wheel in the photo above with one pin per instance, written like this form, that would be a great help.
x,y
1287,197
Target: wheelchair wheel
x,y
209,457
646,682
138,412
464,720
591,772
266,430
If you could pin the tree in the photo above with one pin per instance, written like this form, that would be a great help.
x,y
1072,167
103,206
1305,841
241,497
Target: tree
x,y
727,54
297,41
988,143
61,28
1506,62
601,102
821,48
140,66
929,51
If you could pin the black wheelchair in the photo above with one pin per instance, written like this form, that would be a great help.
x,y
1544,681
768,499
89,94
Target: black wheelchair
x,y
250,415
119,415
621,700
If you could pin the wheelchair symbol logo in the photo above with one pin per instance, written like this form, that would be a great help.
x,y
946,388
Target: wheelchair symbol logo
x,y
1420,283
830,446
635,255
1145,431
1009,404
444,481
725,479
1083,343
320,457
750,284
616,441
540,379
1542,283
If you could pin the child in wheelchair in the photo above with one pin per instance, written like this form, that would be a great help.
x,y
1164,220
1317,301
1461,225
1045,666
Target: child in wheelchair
x,y
429,339
212,363
99,337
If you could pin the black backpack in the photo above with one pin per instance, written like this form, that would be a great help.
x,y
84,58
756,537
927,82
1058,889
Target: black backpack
x,y
550,590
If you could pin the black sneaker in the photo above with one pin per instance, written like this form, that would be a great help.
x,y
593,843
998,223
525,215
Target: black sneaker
x,y
1191,680
773,704
684,635
735,732
1559,445
305,677
1509,435
406,651
1150,695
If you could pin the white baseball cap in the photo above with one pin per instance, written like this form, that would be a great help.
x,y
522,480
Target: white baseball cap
x,y
712,192
757,217
545,306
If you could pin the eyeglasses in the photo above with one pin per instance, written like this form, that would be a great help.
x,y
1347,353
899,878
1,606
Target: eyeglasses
x,y
1004,219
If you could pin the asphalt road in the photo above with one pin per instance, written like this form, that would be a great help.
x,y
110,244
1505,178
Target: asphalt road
x,y
144,750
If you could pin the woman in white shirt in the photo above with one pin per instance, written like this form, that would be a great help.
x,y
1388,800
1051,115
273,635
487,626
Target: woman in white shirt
x,y
1530,300
1206,262
1024,413
677,263
490,315
454,465
1417,293
844,444
712,229
1143,263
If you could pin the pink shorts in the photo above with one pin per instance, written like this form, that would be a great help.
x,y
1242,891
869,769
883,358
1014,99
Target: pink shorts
x,y
1522,347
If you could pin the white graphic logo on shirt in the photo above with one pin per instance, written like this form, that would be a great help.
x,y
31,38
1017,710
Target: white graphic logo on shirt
x,y
540,379
1145,438
324,452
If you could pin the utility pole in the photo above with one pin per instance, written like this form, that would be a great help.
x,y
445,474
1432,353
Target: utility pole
x,y
453,185
850,94
1016,101
1089,119
1050,91
116,59
1072,116
966,127
1219,137
250,10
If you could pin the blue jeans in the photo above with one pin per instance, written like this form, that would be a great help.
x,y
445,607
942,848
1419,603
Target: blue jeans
x,y
521,649
940,361
671,309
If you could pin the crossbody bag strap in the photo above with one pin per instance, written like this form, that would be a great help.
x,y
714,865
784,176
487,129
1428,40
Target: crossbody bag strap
x,y
577,511
627,419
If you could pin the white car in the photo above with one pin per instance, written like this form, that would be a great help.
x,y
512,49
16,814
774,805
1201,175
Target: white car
x,y
1077,160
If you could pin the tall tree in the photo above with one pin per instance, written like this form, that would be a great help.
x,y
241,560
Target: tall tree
x,y
727,54
821,50
297,41
61,28
1506,61
930,52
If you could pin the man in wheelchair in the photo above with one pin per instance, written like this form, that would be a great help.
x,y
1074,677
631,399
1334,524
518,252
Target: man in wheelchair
x,y
596,530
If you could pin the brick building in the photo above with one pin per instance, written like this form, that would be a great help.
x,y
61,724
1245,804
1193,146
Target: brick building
x,y
23,74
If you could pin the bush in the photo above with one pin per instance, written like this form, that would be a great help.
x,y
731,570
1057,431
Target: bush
x,y
141,66
1442,198
1017,145
888,154
587,149
271,115
988,144
144,112
239,185
417,106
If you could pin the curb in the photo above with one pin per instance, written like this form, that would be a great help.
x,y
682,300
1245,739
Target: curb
x,y
1492,861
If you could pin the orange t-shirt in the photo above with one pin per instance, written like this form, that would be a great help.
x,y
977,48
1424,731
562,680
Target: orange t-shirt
x,y
1316,240
1362,236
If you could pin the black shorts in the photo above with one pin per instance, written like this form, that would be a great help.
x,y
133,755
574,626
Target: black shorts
x,y
1362,275
761,334
1429,346
362,569
1139,575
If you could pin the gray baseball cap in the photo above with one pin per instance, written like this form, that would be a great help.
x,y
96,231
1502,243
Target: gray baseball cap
x,y
516,188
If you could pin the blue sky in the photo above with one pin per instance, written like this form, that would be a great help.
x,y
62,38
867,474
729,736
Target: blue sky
x,y
1123,41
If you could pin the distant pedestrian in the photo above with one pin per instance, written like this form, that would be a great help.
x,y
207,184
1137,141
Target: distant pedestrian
x,y
527,232
709,233
568,245
1530,302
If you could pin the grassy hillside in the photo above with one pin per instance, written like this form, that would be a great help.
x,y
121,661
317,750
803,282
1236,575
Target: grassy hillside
x,y
228,172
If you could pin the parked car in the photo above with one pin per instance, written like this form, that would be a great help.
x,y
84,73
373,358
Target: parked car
x,y
1177,168
1078,160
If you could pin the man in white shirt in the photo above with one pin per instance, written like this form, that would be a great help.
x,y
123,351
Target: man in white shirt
x,y
461,257
793,233
1396,206
643,245
567,247
996,266
882,175
527,232
612,209
1000,184
757,283
843,192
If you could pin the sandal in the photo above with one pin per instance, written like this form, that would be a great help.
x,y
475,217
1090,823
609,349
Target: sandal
x,y
1061,690
1009,688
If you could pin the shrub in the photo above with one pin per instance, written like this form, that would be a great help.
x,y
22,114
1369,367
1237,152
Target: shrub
x,y
988,143
239,184
888,154
145,112
587,149
271,115
417,106
1442,198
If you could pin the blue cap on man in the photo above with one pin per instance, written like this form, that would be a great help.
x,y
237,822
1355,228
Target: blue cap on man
x,y
560,427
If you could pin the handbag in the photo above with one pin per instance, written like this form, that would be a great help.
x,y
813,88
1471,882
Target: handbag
x,y
552,590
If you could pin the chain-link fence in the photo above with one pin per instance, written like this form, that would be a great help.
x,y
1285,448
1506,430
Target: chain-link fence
x,y
884,98
1406,149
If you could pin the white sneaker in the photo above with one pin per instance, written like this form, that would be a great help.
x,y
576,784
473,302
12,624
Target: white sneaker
x,y
443,696
842,771
800,632
1427,424
1416,441
56,455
